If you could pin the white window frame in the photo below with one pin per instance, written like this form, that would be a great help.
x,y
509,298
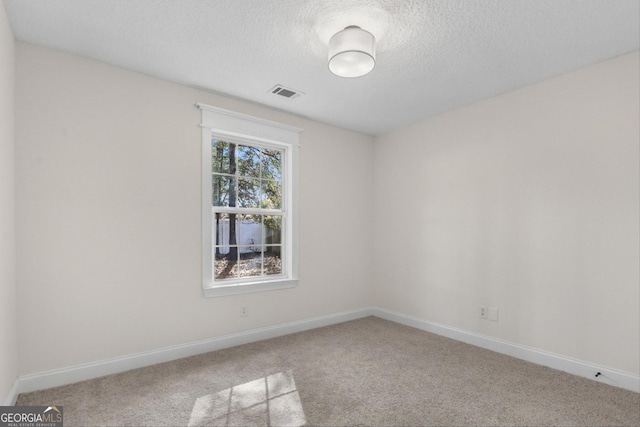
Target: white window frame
x,y
241,128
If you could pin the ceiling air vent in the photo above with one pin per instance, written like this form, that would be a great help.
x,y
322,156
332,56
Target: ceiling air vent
x,y
285,92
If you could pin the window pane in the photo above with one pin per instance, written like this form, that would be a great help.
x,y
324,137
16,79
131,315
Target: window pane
x,y
226,246
225,267
272,229
249,161
272,164
221,156
271,196
250,234
272,260
224,192
226,227
250,262
248,193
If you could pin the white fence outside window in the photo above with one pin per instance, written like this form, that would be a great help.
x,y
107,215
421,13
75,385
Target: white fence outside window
x,y
248,236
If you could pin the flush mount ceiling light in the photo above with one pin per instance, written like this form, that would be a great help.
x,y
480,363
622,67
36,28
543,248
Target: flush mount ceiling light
x,y
352,52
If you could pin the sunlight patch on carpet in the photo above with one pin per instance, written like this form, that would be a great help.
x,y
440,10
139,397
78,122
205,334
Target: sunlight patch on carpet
x,y
271,400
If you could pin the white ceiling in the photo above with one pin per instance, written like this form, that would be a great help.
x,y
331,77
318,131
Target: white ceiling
x,y
432,55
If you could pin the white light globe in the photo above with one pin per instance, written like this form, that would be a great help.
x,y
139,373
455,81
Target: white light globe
x,y
352,52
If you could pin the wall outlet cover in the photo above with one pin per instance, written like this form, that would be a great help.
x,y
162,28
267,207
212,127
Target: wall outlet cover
x,y
493,314
483,312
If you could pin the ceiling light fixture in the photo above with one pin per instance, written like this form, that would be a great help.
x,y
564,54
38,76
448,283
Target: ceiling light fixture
x,y
352,52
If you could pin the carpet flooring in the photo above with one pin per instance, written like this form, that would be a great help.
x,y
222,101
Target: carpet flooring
x,y
367,372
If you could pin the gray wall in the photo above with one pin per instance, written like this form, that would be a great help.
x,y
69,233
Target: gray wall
x,y
8,329
108,216
526,202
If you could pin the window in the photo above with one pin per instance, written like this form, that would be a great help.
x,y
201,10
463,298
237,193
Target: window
x,y
247,210
249,190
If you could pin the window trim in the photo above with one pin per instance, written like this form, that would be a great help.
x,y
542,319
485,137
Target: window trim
x,y
242,128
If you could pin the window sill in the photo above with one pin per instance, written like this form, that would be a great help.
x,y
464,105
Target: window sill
x,y
245,288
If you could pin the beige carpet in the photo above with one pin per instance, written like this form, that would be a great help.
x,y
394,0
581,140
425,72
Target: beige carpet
x,y
368,372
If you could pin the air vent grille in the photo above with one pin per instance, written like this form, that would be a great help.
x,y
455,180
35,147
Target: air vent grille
x,y
285,92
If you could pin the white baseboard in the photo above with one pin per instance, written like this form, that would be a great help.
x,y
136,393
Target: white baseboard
x,y
73,374
577,367
13,394
58,377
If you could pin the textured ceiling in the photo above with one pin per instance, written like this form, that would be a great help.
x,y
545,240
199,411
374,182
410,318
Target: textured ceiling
x,y
432,55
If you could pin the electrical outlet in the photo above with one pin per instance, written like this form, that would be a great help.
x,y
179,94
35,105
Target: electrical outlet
x,y
244,311
483,311
493,314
